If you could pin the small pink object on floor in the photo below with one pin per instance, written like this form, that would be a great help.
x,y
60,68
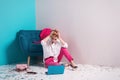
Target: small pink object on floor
x,y
21,67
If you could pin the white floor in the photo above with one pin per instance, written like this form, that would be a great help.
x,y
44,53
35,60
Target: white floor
x,y
84,72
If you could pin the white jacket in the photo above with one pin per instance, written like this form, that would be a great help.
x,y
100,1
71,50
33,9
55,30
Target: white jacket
x,y
50,49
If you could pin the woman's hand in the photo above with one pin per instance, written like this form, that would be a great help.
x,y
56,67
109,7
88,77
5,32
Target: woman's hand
x,y
59,35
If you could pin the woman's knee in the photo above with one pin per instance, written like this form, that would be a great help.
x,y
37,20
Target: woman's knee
x,y
64,49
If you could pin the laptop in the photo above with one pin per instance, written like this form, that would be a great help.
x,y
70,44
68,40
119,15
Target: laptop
x,y
59,69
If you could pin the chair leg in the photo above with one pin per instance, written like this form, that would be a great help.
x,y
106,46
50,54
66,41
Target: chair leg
x,y
28,62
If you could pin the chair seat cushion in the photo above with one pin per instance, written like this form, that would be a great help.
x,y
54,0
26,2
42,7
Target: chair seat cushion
x,y
35,47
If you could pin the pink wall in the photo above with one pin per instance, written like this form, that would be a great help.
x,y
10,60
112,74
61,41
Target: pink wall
x,y
91,27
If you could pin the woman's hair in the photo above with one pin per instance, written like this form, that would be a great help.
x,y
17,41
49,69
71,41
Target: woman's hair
x,y
54,33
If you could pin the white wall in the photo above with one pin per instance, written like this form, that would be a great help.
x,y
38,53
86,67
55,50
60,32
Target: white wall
x,y
91,27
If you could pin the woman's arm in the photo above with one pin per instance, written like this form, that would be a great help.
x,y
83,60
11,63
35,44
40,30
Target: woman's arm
x,y
64,44
46,39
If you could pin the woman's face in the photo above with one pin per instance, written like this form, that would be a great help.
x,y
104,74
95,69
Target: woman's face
x,y
54,36
54,39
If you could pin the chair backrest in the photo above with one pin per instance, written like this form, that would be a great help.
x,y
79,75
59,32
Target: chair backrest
x,y
26,39
30,34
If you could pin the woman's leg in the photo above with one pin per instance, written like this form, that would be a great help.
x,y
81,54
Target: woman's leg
x,y
66,53
50,61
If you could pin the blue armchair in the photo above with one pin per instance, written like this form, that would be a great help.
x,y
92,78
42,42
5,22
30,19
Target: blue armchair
x,y
26,41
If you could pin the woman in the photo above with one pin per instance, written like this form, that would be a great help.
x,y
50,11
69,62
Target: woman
x,y
54,47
